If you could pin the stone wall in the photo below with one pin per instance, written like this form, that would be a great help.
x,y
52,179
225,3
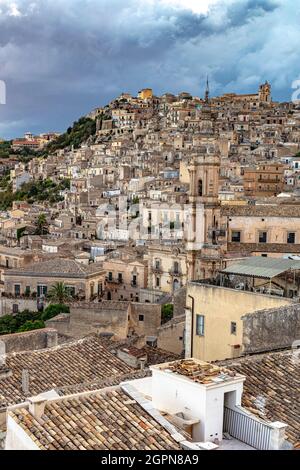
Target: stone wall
x,y
86,318
30,341
171,335
119,318
6,305
179,302
145,319
270,329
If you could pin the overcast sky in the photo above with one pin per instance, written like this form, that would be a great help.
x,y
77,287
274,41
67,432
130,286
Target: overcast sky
x,y
62,58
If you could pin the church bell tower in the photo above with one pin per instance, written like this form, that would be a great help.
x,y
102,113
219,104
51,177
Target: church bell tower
x,y
204,230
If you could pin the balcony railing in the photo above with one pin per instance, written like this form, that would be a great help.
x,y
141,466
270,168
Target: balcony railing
x,y
134,284
247,429
111,280
175,272
156,269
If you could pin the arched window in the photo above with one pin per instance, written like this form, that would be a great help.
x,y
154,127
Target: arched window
x,y
200,188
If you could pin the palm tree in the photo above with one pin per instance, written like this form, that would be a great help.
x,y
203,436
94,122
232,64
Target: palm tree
x,y
59,293
41,225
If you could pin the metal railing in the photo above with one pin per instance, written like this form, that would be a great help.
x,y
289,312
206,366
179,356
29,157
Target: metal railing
x,y
247,429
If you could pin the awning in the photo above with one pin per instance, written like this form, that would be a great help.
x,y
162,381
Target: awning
x,y
262,267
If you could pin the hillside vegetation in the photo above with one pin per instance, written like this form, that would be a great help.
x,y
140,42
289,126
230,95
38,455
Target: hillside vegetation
x,y
34,191
75,135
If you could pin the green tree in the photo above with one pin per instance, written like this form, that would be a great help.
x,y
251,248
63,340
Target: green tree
x,y
53,310
41,225
30,325
20,233
59,293
80,132
135,200
167,313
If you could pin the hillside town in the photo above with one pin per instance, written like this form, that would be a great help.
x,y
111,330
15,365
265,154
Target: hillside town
x,y
150,277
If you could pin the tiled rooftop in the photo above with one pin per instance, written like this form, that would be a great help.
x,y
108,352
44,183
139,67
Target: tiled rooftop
x,y
154,355
103,420
58,266
272,388
68,365
276,210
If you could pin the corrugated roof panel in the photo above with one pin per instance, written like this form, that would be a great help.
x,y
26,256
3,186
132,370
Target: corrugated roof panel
x,y
259,266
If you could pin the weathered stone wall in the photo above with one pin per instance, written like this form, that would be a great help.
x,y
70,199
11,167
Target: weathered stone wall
x,y
271,329
86,318
30,341
6,305
109,317
179,302
61,323
151,314
171,335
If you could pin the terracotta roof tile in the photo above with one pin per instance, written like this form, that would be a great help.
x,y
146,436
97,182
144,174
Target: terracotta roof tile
x,y
106,419
272,388
69,365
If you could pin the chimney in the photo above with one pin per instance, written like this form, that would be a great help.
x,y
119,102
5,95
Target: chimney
x,y
37,406
52,338
25,382
143,361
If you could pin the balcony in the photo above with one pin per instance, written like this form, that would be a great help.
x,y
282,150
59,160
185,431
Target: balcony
x,y
217,232
175,272
111,280
134,284
156,269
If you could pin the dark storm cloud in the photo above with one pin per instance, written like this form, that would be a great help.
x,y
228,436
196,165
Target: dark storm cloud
x,y
61,58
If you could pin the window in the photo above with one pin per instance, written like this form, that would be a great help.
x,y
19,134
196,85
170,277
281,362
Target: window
x,y
134,279
141,317
200,188
233,328
262,238
291,237
200,325
27,290
176,267
157,264
42,290
157,282
71,290
15,308
17,290
236,236
110,276
120,277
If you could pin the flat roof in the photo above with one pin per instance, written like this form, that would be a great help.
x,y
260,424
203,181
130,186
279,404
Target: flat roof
x,y
263,267
195,370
